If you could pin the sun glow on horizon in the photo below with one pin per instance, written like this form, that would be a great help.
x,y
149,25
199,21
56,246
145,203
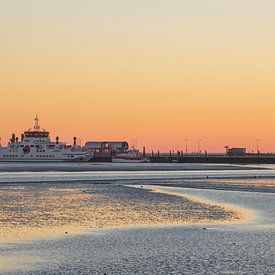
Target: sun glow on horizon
x,y
156,71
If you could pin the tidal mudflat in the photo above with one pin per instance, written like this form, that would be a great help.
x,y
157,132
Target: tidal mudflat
x,y
158,228
34,210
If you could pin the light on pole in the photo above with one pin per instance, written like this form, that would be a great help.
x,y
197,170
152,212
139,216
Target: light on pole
x,y
186,145
199,146
257,143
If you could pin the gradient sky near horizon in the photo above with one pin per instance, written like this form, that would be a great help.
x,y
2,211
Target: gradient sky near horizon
x,y
152,70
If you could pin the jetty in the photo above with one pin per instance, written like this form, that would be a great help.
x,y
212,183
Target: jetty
x,y
212,158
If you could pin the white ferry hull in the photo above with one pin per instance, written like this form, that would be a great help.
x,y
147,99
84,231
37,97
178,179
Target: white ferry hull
x,y
82,158
31,160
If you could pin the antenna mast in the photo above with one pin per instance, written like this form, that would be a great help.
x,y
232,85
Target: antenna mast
x,y
36,124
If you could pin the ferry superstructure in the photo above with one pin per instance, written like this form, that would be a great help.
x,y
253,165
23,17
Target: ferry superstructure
x,y
36,145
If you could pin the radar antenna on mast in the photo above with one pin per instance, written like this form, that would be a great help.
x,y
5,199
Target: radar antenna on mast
x,y
36,125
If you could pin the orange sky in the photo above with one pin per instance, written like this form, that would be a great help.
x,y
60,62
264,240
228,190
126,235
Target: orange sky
x,y
159,72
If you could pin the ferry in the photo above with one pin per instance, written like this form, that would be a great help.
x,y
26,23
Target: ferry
x,y
36,145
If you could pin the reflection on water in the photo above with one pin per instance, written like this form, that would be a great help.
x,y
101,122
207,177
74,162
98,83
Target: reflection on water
x,y
257,181
16,263
40,209
111,176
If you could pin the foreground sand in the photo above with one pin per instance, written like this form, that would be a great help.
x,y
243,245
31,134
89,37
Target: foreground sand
x,y
40,210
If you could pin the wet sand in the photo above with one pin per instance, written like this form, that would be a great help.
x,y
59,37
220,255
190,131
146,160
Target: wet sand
x,y
35,211
87,227
242,215
211,248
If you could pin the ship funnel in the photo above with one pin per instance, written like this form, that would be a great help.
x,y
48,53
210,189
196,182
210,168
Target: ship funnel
x,y
74,140
13,138
22,137
57,140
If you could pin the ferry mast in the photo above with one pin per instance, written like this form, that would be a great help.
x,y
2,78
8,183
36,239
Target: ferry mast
x,y
36,124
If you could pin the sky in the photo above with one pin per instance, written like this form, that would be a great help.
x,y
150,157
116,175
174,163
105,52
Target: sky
x,y
158,71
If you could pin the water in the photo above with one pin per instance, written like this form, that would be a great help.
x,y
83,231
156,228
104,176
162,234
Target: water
x,y
110,176
209,248
261,203
91,166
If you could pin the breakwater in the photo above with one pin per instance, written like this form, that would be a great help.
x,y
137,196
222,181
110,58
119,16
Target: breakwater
x,y
249,159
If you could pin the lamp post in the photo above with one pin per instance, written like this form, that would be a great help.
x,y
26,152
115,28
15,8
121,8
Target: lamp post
x,y
199,146
257,143
186,145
